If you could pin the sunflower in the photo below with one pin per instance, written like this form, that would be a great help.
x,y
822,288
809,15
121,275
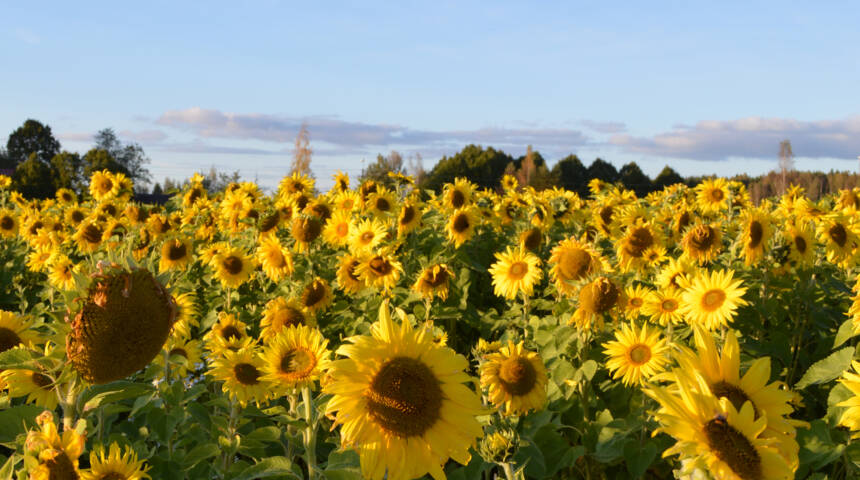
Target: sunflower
x,y
305,229
233,267
341,182
839,236
402,402
597,299
320,208
242,374
5,182
756,234
49,456
712,298
631,250
573,260
531,239
714,372
715,435
337,229
186,314
801,243
227,334
182,353
296,357
135,214
675,274
269,224
664,306
347,274
15,330
37,260
461,226
381,203
158,224
316,296
515,271
636,354
636,295
346,201
516,379
458,194
115,466
712,196
277,262
367,235
8,223
434,281
88,236
279,314
61,271
379,270
702,243
175,254
409,217
104,185
65,196
36,386
296,183
851,416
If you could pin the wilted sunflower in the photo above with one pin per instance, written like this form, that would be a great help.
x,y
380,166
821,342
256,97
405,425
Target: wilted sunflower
x,y
104,185
280,313
316,296
718,436
269,224
515,271
337,229
294,358
637,295
242,374
366,235
49,456
433,281
636,354
461,226
801,243
175,254
400,396
347,274
572,261
839,236
379,270
277,262
233,267
516,379
122,324
115,465
597,299
702,243
712,298
8,223
664,306
305,229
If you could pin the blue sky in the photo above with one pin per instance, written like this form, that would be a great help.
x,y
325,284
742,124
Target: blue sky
x,y
703,88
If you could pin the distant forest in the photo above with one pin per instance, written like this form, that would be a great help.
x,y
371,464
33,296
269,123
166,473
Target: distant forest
x,y
34,159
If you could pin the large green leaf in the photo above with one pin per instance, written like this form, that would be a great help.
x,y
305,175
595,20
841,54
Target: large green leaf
x,y
828,369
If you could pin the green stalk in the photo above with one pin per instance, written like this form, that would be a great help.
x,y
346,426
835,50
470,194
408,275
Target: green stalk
x,y
310,436
509,471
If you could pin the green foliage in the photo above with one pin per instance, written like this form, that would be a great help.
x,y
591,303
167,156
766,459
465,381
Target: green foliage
x,y
481,166
33,178
572,175
379,170
32,138
66,171
98,159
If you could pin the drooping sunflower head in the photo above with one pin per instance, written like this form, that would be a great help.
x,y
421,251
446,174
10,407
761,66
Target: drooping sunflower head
x,y
597,299
702,242
316,296
295,357
434,281
122,324
348,279
379,270
305,229
516,379
320,208
515,271
531,239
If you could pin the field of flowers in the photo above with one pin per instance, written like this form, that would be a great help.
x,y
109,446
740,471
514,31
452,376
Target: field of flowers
x,y
378,331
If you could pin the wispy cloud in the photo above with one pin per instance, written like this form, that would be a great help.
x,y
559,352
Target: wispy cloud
x,y
604,127
359,136
75,136
751,137
26,35
143,136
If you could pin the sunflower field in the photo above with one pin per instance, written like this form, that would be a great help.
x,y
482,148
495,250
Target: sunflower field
x,y
378,331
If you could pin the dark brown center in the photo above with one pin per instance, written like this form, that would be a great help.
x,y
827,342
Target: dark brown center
x,y
461,223
756,234
517,376
733,448
405,397
233,264
246,374
8,339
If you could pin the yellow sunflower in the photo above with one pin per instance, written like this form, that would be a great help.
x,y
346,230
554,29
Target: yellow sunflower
x,y
675,274
295,183
637,295
839,236
664,306
294,358
104,186
367,235
640,239
347,274
116,465
409,218
242,374
461,226
65,196
379,270
801,243
316,296
37,387
280,313
228,333
337,229
175,254
531,239
571,261
851,416
712,298
16,330
712,196
50,456
636,354
61,271
381,203
598,298
8,223
277,262
434,281
756,234
88,236
458,194
702,243
182,353
515,271
305,229
341,182
233,267
515,378
401,401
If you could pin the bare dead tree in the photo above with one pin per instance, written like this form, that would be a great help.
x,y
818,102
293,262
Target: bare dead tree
x,y
786,161
302,158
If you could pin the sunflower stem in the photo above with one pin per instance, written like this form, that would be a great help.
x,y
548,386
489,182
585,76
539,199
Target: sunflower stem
x,y
310,436
526,308
227,460
509,471
68,405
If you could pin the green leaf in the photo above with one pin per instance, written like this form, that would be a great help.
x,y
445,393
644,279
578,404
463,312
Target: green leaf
x,y
264,434
17,358
639,458
268,467
828,369
200,453
17,420
98,395
846,331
